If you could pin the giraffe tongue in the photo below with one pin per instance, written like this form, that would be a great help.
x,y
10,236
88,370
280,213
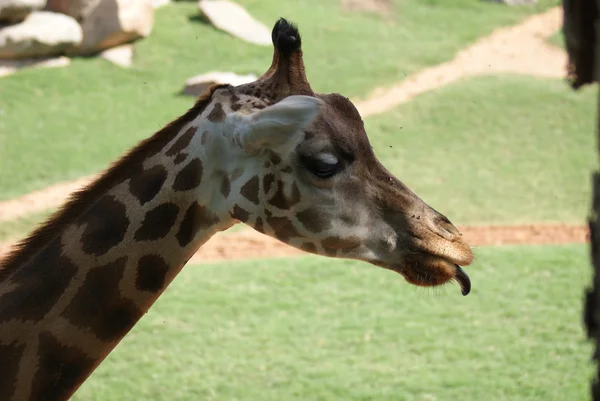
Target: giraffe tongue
x,y
463,279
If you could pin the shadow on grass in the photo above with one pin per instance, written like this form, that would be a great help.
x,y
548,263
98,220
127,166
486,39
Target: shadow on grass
x,y
200,19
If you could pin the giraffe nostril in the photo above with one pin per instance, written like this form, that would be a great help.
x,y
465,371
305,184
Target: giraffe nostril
x,y
439,224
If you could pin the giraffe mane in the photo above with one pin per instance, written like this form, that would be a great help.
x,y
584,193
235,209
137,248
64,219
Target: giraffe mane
x,y
81,200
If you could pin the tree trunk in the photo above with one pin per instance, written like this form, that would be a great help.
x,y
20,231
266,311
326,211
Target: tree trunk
x,y
582,39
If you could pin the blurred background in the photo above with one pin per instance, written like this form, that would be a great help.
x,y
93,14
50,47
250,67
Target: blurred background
x,y
464,100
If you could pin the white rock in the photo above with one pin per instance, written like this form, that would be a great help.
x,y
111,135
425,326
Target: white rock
x,y
160,3
195,86
120,55
16,10
8,67
41,34
234,19
114,22
78,9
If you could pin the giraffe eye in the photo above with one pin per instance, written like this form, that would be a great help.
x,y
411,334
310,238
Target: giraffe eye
x,y
322,167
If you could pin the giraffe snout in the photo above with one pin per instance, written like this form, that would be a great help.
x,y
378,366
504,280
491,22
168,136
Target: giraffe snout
x,y
440,225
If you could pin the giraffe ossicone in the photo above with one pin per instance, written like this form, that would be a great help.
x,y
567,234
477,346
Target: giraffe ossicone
x,y
291,163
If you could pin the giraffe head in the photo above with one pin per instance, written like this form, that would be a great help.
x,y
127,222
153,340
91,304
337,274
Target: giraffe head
x,y
310,177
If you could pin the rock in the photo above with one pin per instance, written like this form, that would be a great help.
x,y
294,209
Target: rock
x,y
120,55
114,22
195,86
514,2
41,34
160,3
78,9
13,11
235,20
16,10
8,67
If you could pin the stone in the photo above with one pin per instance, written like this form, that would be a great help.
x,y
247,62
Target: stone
x,y
114,22
195,86
41,34
514,2
16,10
8,67
120,55
78,9
235,20
160,3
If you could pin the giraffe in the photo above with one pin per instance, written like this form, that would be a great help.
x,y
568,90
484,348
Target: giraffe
x,y
273,154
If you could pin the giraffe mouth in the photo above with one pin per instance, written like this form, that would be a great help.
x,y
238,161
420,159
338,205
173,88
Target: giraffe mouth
x,y
439,264
429,270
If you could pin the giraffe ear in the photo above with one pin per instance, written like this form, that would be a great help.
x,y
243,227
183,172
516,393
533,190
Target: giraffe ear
x,y
279,127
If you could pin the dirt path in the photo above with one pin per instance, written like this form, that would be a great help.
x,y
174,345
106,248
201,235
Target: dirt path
x,y
519,49
44,199
250,244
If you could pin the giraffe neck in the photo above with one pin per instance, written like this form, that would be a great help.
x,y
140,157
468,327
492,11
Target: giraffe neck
x,y
63,309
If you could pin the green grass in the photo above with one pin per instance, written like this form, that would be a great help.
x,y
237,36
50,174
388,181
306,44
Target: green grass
x,y
317,329
495,149
59,124
558,39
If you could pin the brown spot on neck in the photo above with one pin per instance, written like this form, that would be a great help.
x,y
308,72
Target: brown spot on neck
x,y
282,226
99,305
250,190
196,218
217,114
61,370
105,226
180,158
225,186
151,273
258,225
309,247
182,142
146,184
157,222
280,201
267,182
10,358
39,287
240,214
312,221
189,177
274,157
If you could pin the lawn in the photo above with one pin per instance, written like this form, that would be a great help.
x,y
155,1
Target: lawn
x,y
558,39
495,149
315,329
60,124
